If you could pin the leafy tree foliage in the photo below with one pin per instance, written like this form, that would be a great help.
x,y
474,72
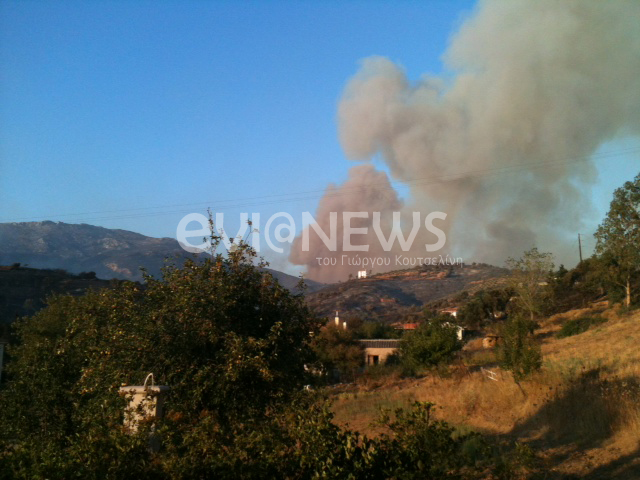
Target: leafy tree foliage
x,y
302,442
232,344
484,307
433,343
618,238
339,351
518,351
227,338
529,280
377,330
577,287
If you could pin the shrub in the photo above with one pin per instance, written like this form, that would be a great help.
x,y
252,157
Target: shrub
x,y
431,344
233,345
518,351
339,352
579,325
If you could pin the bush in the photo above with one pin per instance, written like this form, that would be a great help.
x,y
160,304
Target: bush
x,y
518,351
339,352
431,344
233,345
377,330
579,325
484,307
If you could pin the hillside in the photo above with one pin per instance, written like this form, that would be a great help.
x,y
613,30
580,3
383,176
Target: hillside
x,y
389,295
23,290
110,253
579,414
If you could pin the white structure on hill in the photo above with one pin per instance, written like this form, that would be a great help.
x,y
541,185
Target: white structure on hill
x,y
453,311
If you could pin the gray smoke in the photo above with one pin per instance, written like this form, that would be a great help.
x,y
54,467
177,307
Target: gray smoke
x,y
503,145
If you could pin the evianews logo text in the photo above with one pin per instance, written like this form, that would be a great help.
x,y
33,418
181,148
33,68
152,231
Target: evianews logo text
x,y
250,227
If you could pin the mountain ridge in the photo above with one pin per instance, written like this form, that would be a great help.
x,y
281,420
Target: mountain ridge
x,y
110,253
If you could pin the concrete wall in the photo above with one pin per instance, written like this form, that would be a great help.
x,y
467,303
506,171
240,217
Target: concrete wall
x,y
381,353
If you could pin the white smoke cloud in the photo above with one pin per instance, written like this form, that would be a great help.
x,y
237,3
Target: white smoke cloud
x,y
503,147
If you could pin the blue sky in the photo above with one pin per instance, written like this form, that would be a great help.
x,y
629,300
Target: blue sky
x,y
132,114
122,105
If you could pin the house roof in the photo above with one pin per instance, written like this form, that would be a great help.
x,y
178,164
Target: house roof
x,y
381,343
404,326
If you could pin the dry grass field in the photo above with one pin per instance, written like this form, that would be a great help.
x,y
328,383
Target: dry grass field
x,y
581,413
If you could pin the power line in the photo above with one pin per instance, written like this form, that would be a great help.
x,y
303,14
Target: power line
x,y
312,194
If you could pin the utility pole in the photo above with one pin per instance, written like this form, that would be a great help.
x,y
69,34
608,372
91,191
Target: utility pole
x,y
580,248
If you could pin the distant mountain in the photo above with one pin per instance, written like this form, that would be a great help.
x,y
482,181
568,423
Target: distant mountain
x,y
110,253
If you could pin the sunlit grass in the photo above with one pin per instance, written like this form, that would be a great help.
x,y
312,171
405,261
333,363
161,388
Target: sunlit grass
x,y
586,394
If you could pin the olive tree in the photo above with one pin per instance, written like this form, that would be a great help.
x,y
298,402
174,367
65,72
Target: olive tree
x,y
339,352
518,351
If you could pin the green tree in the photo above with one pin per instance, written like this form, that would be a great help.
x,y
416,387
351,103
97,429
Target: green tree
x,y
618,237
233,345
577,287
338,350
484,307
224,335
518,351
377,330
529,281
433,343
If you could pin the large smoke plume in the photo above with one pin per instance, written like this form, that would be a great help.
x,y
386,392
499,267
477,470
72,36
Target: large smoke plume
x,y
502,146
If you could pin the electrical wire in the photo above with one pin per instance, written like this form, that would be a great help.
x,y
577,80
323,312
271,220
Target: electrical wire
x,y
295,197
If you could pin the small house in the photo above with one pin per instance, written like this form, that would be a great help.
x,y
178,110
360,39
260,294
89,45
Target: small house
x,y
377,351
